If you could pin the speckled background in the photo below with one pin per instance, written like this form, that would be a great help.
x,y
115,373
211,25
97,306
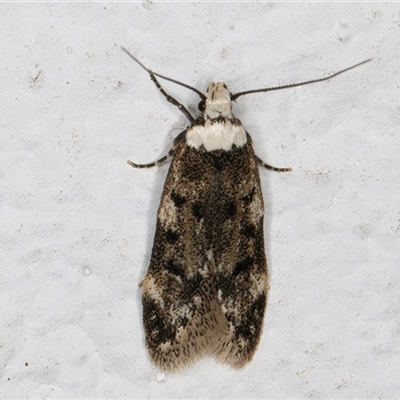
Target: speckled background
x,y
77,222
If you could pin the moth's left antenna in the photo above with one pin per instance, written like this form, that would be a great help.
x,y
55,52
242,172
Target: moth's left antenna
x,y
169,98
202,96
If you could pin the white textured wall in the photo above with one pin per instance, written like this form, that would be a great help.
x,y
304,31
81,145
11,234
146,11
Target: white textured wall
x,y
77,222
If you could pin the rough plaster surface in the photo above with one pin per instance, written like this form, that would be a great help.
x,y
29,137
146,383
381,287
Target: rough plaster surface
x,y
77,222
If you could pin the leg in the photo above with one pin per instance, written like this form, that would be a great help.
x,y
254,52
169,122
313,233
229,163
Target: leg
x,y
165,94
154,164
261,163
171,99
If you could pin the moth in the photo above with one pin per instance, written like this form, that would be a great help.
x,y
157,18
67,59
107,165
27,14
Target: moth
x,y
205,290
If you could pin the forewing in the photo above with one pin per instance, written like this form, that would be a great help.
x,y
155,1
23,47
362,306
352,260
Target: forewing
x,y
241,275
182,317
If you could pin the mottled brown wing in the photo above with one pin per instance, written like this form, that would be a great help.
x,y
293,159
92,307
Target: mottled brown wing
x,y
241,267
205,289
182,317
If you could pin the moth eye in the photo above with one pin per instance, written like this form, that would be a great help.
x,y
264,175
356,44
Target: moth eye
x,y
202,105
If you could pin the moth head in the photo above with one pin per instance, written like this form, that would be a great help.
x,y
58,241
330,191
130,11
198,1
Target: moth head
x,y
217,102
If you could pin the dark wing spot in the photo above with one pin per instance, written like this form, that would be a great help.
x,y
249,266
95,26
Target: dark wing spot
x,y
229,210
248,198
171,236
178,200
250,327
198,210
174,268
243,266
157,330
248,230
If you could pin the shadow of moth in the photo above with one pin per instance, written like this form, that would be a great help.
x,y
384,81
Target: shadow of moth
x,y
205,290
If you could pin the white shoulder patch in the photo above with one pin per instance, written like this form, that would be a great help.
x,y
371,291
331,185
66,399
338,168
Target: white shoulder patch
x,y
216,135
217,132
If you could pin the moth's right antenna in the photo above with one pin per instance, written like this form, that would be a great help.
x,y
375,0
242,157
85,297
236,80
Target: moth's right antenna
x,y
235,96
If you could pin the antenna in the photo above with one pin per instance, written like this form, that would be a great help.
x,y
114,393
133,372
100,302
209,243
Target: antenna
x,y
235,96
202,96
